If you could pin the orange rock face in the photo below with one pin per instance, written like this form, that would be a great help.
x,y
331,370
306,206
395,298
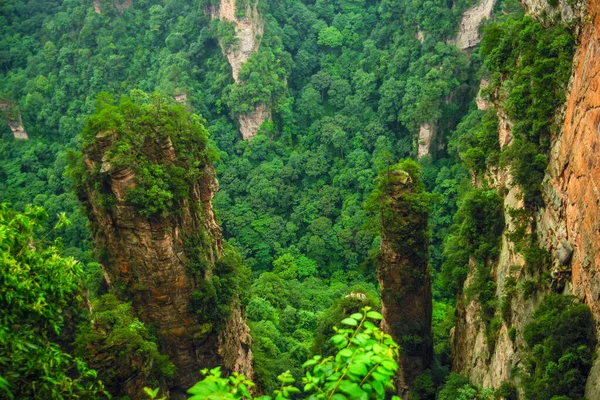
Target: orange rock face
x,y
578,164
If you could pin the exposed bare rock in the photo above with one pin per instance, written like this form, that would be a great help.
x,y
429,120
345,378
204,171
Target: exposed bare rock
x,y
404,278
248,32
420,36
468,31
566,11
571,221
426,135
118,4
250,123
147,261
482,104
181,98
505,129
568,225
12,116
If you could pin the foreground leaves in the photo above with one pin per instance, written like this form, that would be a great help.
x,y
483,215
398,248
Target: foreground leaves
x,y
362,369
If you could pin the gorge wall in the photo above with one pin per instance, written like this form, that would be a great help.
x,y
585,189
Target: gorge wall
x,y
249,28
403,272
162,261
567,226
571,221
12,117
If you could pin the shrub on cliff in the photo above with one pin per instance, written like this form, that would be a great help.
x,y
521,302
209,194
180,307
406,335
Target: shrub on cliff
x,y
164,145
363,367
561,340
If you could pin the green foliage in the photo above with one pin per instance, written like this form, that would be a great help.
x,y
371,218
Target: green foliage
x,y
114,333
530,66
401,207
476,140
506,391
38,287
364,366
228,286
476,233
459,388
561,341
133,127
348,85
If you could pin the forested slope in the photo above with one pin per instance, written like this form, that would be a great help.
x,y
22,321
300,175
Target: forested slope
x,y
346,88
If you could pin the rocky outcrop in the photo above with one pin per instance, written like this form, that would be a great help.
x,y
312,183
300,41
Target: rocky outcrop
x,y
250,123
468,31
482,104
118,4
486,365
567,226
426,136
565,10
403,275
12,117
248,33
570,224
147,260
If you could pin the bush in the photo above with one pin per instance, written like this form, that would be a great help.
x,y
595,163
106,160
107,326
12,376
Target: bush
x,y
561,341
364,366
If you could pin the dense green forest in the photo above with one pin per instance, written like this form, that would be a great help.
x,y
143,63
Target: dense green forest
x,y
350,83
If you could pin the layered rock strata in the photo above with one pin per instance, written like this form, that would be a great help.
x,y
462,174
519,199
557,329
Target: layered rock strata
x,y
404,277
568,226
146,261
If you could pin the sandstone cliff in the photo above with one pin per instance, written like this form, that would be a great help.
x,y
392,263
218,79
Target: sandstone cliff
x,y
426,136
468,31
162,262
567,226
403,274
570,224
249,28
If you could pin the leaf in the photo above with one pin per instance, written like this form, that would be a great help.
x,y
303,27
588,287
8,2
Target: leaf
x,y
349,321
357,316
374,315
353,390
338,396
346,353
358,369
378,388
379,377
369,325
309,363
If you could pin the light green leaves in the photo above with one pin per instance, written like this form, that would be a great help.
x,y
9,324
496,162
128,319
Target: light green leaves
x,y
363,368
374,315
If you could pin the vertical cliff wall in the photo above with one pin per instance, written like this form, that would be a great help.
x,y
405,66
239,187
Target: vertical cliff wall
x,y
570,224
403,271
249,28
567,226
162,257
469,34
